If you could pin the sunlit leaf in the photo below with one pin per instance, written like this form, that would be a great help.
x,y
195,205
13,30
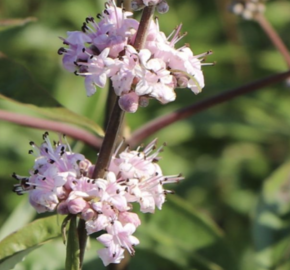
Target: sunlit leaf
x,y
17,245
16,85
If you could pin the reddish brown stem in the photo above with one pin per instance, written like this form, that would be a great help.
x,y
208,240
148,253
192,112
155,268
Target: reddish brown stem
x,y
147,130
29,121
274,37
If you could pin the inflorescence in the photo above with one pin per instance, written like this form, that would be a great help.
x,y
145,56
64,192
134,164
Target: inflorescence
x,y
61,181
104,49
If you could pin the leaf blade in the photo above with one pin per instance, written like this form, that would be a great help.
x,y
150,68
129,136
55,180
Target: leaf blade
x,y
17,245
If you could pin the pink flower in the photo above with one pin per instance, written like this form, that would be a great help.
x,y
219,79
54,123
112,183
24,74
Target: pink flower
x,y
142,177
61,180
104,50
53,168
117,239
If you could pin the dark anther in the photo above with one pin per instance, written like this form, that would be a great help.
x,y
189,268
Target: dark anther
x,y
14,176
36,171
117,191
31,143
89,19
106,12
44,178
30,152
84,27
46,150
51,161
61,51
76,73
99,16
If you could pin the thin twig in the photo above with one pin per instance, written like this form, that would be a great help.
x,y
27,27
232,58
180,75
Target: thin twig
x,y
274,37
49,125
159,123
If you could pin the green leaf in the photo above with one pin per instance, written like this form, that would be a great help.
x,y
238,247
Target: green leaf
x,y
17,245
272,221
20,216
17,86
72,250
182,235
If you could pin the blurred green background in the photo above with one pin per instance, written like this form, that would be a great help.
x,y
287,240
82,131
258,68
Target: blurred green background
x,y
225,153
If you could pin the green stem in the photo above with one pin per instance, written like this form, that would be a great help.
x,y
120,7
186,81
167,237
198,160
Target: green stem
x,y
72,249
82,234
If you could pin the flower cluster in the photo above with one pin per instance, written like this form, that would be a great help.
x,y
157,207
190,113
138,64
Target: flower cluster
x,y
62,180
248,9
105,50
161,5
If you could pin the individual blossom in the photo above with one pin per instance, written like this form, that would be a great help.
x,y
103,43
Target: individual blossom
x,y
117,239
142,176
105,50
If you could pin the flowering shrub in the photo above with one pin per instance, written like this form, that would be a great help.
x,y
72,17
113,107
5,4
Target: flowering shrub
x,y
117,198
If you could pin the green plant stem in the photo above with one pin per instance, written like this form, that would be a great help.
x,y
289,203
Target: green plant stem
x,y
159,123
274,37
82,234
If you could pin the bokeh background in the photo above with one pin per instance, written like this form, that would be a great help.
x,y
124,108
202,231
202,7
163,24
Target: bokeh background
x,y
225,153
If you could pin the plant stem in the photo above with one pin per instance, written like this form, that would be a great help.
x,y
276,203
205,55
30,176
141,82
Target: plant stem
x,y
29,121
159,123
117,114
82,234
274,37
108,144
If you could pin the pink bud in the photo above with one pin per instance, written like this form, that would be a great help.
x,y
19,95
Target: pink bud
x,y
77,205
129,102
62,208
